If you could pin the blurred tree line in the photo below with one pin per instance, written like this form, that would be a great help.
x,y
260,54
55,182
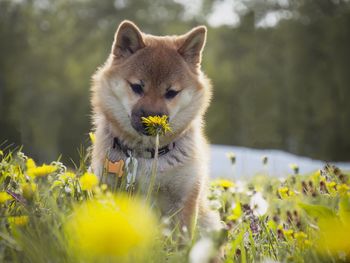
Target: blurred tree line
x,y
283,87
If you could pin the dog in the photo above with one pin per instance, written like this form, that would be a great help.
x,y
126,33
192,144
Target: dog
x,y
148,75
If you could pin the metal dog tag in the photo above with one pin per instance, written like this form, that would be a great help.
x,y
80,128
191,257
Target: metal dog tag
x,y
131,165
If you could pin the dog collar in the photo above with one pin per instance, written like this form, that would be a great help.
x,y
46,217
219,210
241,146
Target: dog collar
x,y
147,153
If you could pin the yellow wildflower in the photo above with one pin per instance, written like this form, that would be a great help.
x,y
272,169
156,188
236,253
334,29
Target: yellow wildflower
x,y
41,171
28,190
4,197
18,220
288,233
111,227
331,187
222,183
104,187
156,125
30,164
92,137
283,192
343,189
88,181
236,213
300,238
334,236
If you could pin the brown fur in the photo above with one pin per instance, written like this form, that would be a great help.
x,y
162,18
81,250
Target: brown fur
x,y
159,64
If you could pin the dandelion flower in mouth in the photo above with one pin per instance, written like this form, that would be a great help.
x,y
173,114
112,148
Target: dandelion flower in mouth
x,y
156,125
88,181
258,204
111,227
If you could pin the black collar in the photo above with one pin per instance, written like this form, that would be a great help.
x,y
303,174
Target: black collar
x,y
147,153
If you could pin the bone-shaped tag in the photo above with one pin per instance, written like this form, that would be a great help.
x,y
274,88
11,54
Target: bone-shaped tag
x,y
116,167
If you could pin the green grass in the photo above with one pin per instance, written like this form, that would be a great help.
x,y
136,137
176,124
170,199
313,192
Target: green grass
x,y
301,218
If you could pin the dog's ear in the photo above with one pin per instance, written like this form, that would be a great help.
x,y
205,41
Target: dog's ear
x,y
192,44
128,39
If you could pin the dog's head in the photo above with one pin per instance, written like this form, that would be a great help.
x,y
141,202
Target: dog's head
x,y
148,75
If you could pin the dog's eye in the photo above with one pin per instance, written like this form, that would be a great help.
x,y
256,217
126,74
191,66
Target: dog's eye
x,y
171,94
137,88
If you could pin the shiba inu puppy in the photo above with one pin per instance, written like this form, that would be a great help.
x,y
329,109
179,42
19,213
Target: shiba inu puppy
x,y
148,75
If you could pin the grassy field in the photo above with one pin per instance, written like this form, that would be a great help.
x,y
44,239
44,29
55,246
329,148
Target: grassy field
x,y
52,214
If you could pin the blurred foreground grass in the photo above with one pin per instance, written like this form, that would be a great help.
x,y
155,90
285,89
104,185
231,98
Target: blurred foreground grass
x,y
51,214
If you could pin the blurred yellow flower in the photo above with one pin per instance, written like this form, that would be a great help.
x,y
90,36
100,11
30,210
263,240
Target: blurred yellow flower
x,y
222,183
343,189
156,125
1,153
92,137
28,190
30,164
18,220
288,233
236,212
4,197
331,187
111,227
88,181
285,192
41,171
334,236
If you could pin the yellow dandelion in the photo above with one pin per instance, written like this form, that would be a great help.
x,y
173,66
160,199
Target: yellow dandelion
x,y
288,233
111,227
300,238
332,187
284,192
18,220
343,189
156,125
30,164
222,183
92,137
41,171
236,213
4,197
88,181
28,190
334,236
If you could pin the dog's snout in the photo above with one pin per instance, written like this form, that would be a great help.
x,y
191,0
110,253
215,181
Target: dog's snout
x,y
146,114
136,119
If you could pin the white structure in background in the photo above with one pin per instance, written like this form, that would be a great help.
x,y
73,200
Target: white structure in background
x,y
249,162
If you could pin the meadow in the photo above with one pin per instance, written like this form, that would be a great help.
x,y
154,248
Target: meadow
x,y
53,214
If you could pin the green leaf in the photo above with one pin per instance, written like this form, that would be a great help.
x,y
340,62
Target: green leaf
x,y
317,211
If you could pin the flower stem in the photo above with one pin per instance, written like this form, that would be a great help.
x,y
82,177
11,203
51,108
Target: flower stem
x,y
154,168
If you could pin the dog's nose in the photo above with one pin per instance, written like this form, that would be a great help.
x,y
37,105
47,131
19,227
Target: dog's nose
x,y
152,113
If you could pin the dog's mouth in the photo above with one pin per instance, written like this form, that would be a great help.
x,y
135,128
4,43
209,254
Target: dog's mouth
x,y
141,128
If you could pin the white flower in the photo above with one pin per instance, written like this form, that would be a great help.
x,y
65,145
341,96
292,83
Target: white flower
x,y
239,187
258,204
202,251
